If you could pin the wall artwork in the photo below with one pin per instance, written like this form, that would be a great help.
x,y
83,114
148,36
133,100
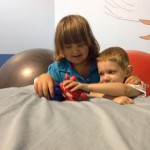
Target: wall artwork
x,y
127,11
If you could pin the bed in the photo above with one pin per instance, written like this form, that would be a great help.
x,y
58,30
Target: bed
x,y
30,122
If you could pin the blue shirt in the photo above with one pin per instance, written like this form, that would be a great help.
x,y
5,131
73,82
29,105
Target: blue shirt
x,y
58,70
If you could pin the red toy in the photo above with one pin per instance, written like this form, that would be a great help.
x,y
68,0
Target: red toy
x,y
72,96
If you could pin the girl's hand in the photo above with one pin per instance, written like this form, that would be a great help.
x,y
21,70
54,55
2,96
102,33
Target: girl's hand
x,y
123,100
44,85
134,80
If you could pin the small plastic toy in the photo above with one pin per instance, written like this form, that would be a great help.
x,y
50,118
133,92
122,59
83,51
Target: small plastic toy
x,y
58,94
78,95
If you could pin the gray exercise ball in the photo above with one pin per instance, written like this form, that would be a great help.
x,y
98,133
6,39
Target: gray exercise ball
x,y
21,69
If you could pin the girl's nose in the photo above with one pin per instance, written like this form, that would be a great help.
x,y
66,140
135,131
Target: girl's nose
x,y
76,48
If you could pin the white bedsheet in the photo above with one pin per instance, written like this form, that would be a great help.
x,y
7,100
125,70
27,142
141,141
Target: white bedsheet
x,y
28,122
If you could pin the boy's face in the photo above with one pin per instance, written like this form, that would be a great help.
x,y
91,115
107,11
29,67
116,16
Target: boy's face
x,y
111,72
76,53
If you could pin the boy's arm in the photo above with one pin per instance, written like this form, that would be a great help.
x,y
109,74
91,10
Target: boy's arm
x,y
112,89
123,100
120,99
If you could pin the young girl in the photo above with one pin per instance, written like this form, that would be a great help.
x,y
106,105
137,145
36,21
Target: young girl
x,y
76,50
114,67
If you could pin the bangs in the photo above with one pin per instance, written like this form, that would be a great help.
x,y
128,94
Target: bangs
x,y
74,31
73,36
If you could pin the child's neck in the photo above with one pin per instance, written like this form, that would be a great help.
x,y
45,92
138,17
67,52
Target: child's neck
x,y
83,69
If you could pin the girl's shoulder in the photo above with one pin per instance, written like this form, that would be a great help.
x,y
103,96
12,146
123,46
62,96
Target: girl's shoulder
x,y
60,64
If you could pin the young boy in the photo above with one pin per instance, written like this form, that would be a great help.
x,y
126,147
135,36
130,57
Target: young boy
x,y
114,68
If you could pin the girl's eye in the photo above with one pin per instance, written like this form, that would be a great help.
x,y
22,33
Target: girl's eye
x,y
81,44
68,46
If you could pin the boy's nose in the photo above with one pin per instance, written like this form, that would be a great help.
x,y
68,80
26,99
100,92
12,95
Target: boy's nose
x,y
106,79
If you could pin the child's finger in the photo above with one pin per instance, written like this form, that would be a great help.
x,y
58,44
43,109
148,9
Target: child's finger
x,y
127,80
66,82
130,101
142,83
71,85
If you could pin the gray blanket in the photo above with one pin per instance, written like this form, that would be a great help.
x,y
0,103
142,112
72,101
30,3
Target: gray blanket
x,y
28,122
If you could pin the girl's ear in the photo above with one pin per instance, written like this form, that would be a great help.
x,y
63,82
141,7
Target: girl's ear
x,y
129,70
62,53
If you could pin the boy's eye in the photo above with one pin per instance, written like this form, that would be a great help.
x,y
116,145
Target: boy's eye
x,y
101,74
111,72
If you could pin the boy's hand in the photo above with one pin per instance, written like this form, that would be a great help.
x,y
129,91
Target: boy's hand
x,y
44,85
74,86
134,80
123,100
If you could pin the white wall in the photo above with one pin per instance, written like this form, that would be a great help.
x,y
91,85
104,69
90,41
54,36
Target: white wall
x,y
110,31
26,24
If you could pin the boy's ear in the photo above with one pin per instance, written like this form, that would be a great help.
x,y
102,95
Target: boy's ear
x,y
129,70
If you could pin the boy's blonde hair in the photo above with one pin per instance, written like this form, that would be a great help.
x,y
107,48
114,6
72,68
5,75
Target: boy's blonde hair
x,y
115,54
74,29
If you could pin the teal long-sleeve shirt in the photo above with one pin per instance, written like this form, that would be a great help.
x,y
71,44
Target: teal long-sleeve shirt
x,y
58,70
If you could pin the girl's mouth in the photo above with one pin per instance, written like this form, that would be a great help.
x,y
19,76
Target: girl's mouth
x,y
77,56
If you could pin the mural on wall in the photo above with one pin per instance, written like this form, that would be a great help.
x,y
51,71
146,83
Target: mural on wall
x,y
125,23
124,10
146,22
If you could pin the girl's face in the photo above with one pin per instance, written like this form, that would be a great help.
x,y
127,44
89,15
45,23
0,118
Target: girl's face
x,y
76,53
111,72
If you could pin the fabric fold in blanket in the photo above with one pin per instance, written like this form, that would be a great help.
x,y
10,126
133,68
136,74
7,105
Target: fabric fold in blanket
x,y
30,122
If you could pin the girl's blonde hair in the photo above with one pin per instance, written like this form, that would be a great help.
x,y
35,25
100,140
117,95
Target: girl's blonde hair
x,y
115,54
74,29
